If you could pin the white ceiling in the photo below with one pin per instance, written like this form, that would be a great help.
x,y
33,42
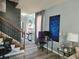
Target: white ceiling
x,y
30,6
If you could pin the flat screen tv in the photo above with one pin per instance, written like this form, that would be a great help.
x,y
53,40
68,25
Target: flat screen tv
x,y
54,26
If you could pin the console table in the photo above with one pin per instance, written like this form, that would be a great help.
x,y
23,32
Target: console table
x,y
66,51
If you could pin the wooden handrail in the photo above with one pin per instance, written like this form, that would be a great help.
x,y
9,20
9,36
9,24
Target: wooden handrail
x,y
18,29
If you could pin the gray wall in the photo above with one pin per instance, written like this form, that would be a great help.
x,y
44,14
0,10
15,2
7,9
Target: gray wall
x,y
69,19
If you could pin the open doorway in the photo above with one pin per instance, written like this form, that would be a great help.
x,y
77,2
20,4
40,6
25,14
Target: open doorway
x,y
28,26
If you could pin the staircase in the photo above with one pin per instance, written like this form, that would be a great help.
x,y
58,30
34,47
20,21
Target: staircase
x,y
10,22
10,29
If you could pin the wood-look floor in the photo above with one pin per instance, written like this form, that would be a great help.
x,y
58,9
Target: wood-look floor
x,y
32,52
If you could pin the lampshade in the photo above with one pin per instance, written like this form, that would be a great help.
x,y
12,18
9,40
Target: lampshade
x,y
72,37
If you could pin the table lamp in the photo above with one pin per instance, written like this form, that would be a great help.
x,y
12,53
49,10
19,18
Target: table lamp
x,y
73,38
